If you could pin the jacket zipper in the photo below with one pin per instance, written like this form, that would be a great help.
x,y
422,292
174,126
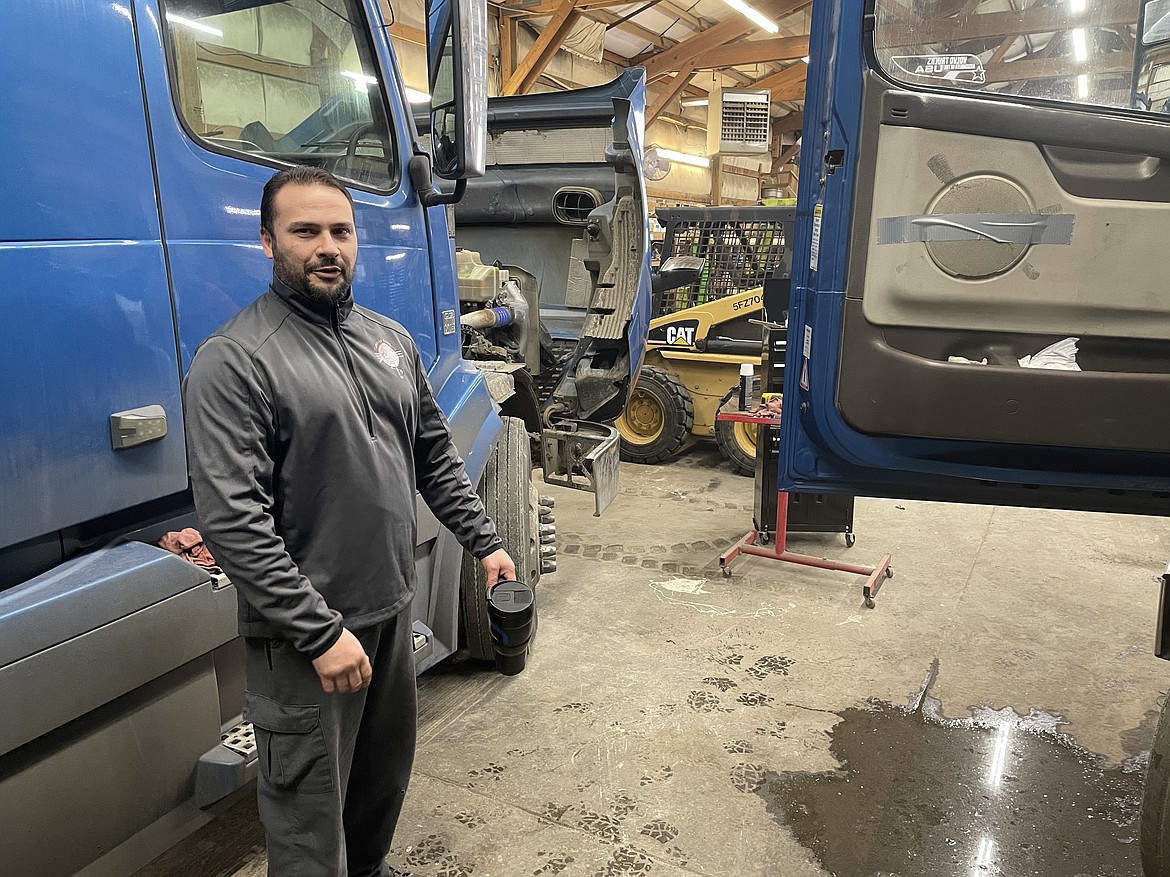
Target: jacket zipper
x,y
335,323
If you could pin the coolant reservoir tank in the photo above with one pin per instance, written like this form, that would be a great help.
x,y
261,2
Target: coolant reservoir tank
x,y
478,282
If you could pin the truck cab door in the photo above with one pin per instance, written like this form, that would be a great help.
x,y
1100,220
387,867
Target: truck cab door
x,y
977,189
238,90
88,330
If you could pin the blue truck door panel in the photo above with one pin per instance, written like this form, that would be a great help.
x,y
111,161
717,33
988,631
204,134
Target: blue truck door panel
x,y
948,232
211,195
88,328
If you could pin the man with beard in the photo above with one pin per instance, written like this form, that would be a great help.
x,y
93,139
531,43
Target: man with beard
x,y
310,424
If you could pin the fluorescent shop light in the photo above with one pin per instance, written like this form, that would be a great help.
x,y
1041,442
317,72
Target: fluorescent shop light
x,y
695,102
415,96
685,158
753,16
194,25
1083,86
359,77
1080,45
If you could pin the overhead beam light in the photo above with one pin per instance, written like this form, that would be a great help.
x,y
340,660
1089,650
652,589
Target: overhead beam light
x,y
415,96
685,158
695,102
1076,6
359,77
1083,86
753,15
194,25
1080,45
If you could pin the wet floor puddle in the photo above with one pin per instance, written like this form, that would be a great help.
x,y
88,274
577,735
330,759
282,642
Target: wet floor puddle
x,y
921,795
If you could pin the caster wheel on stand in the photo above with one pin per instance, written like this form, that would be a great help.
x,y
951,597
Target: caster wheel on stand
x,y
869,603
850,538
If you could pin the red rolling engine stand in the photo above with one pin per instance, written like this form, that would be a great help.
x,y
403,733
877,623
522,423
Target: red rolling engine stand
x,y
875,575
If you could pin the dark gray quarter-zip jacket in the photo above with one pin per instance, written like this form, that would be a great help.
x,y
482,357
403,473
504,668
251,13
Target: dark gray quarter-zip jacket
x,y
309,428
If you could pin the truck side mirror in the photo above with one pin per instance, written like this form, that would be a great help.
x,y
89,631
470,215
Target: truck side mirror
x,y
457,49
677,271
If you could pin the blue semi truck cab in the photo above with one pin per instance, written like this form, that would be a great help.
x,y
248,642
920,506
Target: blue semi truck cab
x,y
508,236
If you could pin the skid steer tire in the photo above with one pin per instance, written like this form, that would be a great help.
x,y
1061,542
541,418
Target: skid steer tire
x,y
511,501
657,418
737,441
1155,833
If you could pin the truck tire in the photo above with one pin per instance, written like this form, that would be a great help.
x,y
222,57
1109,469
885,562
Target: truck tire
x,y
737,441
657,418
511,501
1156,802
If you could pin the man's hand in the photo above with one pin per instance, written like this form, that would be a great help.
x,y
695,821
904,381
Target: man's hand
x,y
345,668
499,566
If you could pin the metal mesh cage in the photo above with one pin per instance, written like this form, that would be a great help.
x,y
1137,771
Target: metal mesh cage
x,y
742,246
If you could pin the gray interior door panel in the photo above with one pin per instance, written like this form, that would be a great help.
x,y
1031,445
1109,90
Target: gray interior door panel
x,y
987,230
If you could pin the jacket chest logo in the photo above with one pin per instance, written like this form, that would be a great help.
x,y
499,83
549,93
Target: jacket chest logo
x,y
385,353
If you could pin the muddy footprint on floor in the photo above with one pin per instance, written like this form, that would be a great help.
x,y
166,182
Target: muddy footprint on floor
x,y
769,665
470,819
704,702
622,805
747,777
428,851
776,730
738,747
755,698
554,864
626,862
659,830
575,707
722,683
600,825
554,812
450,866
490,771
656,776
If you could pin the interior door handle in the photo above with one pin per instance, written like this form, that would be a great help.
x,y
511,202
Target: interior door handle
x,y
138,426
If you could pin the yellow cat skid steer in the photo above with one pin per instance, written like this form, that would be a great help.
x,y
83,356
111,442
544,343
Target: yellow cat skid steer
x,y
690,373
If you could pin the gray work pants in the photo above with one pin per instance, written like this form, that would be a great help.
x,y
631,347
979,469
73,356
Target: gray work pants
x,y
316,821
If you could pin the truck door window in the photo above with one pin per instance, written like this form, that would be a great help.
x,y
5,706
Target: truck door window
x,y
288,82
1075,51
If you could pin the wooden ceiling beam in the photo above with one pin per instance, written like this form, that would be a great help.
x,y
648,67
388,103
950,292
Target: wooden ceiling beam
x,y
788,84
792,123
1114,64
408,34
670,90
754,52
530,67
631,27
1035,20
719,34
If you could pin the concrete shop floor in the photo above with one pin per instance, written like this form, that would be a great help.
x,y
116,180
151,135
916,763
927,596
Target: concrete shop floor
x,y
988,717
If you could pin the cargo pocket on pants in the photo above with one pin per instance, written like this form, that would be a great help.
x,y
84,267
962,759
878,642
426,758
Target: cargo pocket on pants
x,y
290,744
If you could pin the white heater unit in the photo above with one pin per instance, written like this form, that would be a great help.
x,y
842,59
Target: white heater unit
x,y
738,122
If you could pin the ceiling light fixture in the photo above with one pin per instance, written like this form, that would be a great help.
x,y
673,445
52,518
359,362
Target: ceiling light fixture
x,y
685,158
194,25
753,15
1083,86
1080,45
695,102
415,96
